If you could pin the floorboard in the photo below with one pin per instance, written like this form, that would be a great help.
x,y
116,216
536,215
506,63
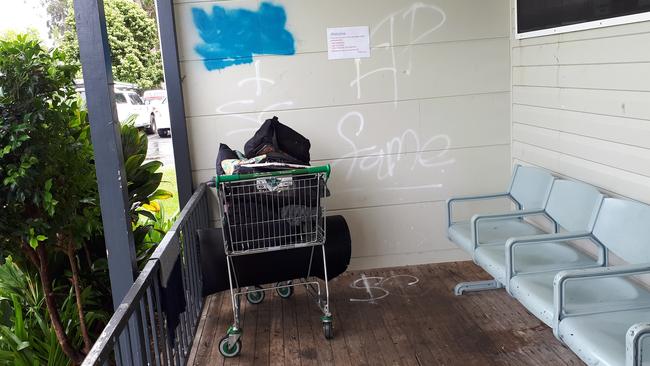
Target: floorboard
x,y
394,316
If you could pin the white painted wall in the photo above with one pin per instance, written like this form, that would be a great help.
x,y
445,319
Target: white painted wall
x,y
581,106
425,118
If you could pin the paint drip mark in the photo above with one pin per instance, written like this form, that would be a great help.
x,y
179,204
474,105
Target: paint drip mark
x,y
232,36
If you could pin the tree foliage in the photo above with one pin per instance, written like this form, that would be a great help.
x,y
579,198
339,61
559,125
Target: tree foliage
x,y
48,189
48,183
57,12
133,39
49,212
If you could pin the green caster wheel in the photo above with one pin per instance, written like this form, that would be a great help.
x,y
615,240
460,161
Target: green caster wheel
x,y
328,331
284,292
255,297
227,350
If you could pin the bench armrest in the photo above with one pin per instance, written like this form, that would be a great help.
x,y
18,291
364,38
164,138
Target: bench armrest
x,y
451,201
513,243
561,279
634,343
506,215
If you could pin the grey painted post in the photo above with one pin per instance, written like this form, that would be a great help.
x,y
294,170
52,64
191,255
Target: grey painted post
x,y
168,45
105,133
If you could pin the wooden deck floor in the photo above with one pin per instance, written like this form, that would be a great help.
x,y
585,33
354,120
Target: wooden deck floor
x,y
417,324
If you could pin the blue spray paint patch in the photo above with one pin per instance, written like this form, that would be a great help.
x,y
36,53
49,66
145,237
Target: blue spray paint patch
x,y
232,36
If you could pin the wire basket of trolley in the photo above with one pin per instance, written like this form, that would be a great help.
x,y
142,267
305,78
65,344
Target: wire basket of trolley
x,y
273,211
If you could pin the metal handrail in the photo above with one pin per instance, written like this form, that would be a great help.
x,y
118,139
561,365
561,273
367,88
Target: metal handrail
x,y
120,319
141,313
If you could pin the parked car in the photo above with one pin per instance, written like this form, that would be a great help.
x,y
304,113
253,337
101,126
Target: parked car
x,y
154,96
128,104
160,118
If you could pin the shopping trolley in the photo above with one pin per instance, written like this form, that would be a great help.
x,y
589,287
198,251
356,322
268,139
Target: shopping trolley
x,y
263,212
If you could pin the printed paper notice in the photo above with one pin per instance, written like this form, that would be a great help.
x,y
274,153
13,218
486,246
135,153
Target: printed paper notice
x,y
348,42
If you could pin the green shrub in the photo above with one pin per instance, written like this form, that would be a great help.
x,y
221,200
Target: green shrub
x,y
50,217
48,189
26,337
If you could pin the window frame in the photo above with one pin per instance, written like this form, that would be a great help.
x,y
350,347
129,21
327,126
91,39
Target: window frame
x,y
121,95
594,24
133,101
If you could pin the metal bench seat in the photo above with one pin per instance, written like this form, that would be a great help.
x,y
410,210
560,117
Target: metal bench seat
x,y
535,292
492,232
601,312
537,258
593,309
599,339
528,191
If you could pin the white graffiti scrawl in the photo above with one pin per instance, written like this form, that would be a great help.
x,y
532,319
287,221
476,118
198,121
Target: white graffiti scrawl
x,y
253,119
409,13
384,158
375,286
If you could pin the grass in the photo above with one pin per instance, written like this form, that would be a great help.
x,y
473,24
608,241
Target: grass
x,y
170,206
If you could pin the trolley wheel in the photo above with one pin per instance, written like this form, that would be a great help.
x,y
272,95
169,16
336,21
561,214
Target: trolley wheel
x,y
284,292
255,297
328,330
226,350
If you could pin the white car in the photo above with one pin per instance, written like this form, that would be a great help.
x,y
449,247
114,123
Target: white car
x,y
128,104
154,96
160,118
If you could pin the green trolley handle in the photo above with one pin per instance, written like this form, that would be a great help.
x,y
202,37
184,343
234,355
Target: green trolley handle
x,y
237,177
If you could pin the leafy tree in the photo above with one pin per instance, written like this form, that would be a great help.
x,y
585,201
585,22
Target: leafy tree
x,y
57,12
133,39
11,33
149,6
48,189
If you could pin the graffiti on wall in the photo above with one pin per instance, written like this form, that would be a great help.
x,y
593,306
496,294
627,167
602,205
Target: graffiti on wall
x,y
385,158
409,150
233,36
386,28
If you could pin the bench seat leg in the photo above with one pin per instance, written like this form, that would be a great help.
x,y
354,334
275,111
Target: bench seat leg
x,y
475,286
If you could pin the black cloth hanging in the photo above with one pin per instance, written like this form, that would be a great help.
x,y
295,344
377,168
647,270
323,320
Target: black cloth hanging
x,y
173,298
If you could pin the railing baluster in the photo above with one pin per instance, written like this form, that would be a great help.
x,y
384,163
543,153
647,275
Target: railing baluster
x,y
145,330
131,352
188,298
181,337
161,323
193,267
154,332
184,333
187,241
141,317
193,270
139,357
178,354
118,352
